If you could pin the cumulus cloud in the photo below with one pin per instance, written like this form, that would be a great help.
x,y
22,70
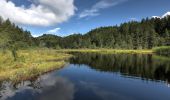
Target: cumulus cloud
x,y
102,4
40,12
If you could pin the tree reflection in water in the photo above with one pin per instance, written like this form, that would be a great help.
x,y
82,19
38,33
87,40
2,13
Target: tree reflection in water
x,y
145,66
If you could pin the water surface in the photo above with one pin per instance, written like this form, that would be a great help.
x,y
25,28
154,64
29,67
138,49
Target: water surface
x,y
98,77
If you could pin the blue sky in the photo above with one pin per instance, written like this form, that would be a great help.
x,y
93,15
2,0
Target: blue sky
x,y
65,17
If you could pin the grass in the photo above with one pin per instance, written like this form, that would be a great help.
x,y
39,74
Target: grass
x,y
108,51
163,50
30,63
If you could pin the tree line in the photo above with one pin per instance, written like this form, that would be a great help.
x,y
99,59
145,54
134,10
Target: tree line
x,y
12,36
144,34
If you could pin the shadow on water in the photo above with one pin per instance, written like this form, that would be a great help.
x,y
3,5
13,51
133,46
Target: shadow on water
x,y
147,67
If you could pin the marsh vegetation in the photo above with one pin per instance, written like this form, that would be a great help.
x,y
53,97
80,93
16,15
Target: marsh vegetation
x,y
29,63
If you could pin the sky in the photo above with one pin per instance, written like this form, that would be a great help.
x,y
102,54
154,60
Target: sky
x,y
66,17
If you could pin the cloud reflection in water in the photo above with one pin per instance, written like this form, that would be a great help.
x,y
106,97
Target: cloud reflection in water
x,y
47,87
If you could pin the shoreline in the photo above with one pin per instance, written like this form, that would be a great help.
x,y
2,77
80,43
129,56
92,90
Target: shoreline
x,y
106,51
35,62
30,63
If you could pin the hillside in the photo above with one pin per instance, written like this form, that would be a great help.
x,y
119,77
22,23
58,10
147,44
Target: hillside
x,y
145,34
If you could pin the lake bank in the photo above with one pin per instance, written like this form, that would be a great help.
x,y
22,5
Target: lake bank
x,y
29,63
107,51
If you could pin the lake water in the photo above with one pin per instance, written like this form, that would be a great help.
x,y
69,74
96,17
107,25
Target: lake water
x,y
98,77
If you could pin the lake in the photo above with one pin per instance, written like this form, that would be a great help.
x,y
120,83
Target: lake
x,y
91,76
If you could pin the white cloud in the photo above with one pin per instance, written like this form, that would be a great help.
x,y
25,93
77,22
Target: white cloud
x,y
35,35
133,19
156,17
102,4
90,12
56,30
40,12
164,15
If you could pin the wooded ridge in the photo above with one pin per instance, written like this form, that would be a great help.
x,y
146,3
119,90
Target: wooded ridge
x,y
146,34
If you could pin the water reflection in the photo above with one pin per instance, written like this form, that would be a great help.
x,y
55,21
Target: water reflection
x,y
138,65
97,77
47,87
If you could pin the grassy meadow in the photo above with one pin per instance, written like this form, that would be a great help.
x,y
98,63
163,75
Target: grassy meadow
x,y
29,63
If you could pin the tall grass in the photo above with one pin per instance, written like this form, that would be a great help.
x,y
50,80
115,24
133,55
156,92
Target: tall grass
x,y
29,63
163,50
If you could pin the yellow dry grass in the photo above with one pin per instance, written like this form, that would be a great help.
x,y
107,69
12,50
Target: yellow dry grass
x,y
30,63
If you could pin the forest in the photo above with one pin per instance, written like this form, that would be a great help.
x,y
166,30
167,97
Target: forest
x,y
144,34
